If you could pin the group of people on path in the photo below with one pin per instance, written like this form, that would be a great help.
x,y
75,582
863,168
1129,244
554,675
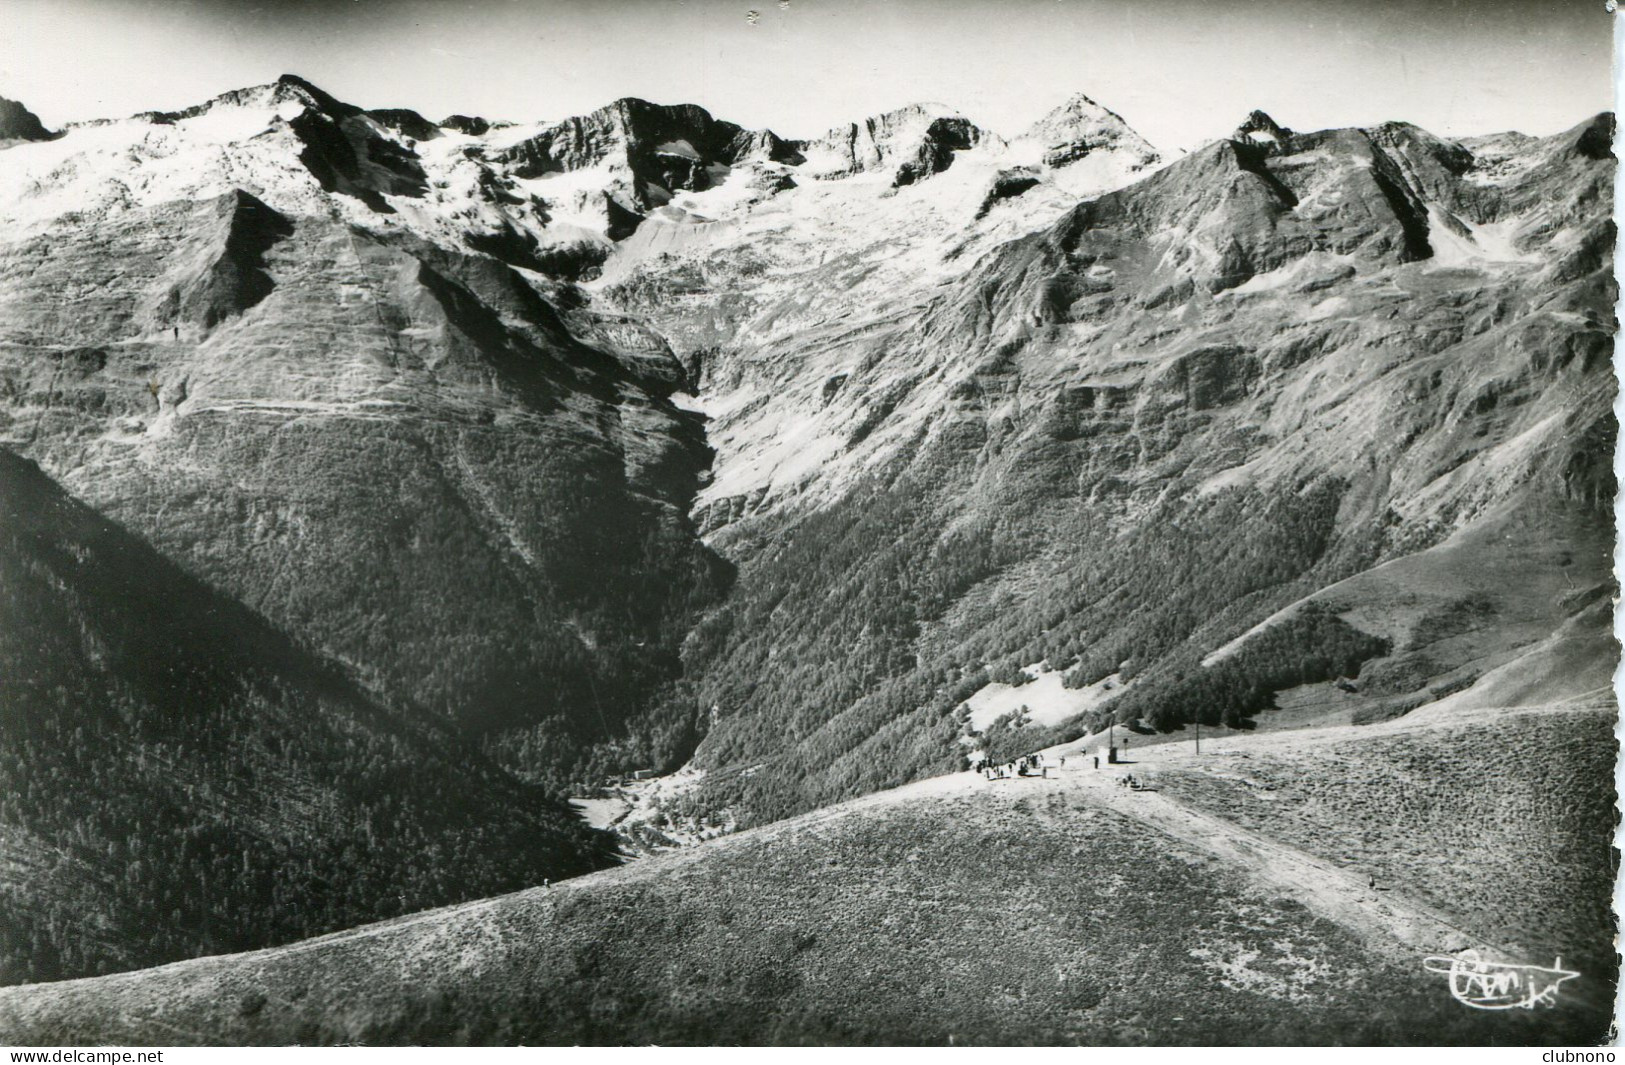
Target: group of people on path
x,y
1028,765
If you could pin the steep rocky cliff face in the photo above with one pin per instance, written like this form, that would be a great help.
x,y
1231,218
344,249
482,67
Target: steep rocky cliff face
x,y
638,437
909,144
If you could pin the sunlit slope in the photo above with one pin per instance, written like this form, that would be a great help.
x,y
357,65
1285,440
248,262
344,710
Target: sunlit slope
x,y
1501,823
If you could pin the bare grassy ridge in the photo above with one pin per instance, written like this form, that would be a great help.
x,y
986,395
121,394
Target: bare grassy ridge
x,y
1005,915
1505,825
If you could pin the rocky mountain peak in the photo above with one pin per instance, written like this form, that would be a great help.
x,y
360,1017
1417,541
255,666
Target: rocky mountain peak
x,y
1260,128
293,84
1080,126
291,88
912,142
1078,113
1594,139
287,89
648,152
472,125
615,132
19,123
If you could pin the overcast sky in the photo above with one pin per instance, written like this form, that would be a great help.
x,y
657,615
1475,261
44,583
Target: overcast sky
x,y
1180,71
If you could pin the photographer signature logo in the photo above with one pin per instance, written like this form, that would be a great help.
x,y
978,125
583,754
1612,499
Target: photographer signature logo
x,y
1494,985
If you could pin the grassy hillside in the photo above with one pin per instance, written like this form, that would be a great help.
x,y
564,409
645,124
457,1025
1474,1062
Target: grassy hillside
x,y
179,778
1400,635
1507,824
952,911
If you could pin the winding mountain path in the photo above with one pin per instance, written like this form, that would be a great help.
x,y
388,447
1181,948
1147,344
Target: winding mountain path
x,y
1387,920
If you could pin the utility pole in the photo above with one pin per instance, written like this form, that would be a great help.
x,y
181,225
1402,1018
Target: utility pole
x,y
1198,732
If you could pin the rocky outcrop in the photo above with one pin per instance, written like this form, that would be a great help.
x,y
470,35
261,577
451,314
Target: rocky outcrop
x,y
1260,129
224,274
1007,185
471,125
1080,127
344,152
1593,139
652,150
18,123
911,144
935,152
405,121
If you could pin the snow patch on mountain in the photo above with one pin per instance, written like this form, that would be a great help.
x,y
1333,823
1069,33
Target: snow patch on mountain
x,y
1458,242
1045,698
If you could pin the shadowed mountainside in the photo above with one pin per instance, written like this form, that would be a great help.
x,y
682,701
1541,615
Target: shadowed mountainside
x,y
177,777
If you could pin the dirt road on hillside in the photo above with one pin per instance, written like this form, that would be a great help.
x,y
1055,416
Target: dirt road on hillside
x,y
1387,920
